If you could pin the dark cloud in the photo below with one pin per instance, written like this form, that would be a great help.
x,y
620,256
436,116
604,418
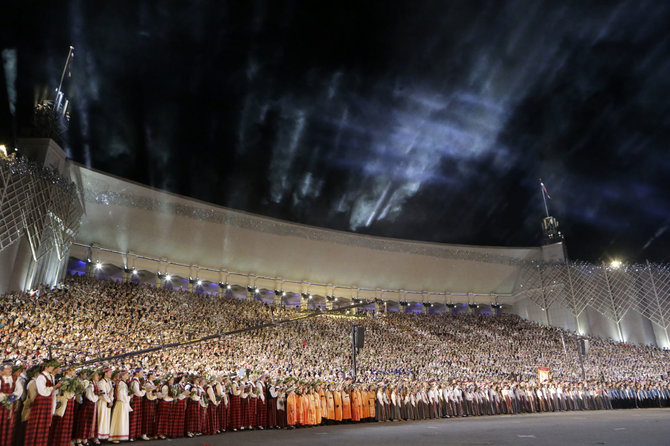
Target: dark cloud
x,y
420,120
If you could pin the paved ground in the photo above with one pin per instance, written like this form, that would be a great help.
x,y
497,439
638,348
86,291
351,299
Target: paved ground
x,y
649,427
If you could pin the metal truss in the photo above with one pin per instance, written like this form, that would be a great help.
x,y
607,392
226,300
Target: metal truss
x,y
613,292
40,204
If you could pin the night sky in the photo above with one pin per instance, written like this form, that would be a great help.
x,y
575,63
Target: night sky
x,y
420,120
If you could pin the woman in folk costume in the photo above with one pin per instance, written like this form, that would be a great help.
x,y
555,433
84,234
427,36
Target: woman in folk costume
x,y
372,397
39,417
20,390
85,428
354,397
365,405
281,408
261,403
323,404
180,394
137,397
404,403
149,406
212,411
194,409
301,407
7,415
252,406
337,398
346,405
63,418
244,405
224,403
204,405
317,407
309,417
292,400
120,425
235,409
330,404
165,410
273,394
106,394
379,405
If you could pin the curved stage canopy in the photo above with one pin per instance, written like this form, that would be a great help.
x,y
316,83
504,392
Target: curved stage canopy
x,y
148,229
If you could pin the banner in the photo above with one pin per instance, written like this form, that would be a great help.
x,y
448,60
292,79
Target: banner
x,y
543,374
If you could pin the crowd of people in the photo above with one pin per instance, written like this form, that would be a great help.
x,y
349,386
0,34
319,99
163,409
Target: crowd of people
x,y
288,375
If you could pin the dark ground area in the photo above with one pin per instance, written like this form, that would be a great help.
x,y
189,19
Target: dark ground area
x,y
621,427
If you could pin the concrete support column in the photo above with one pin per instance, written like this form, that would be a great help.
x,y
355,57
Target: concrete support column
x,y
158,281
379,307
304,300
126,275
277,300
425,308
329,304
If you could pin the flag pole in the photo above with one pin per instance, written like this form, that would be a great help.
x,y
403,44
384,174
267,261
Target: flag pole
x,y
67,62
544,198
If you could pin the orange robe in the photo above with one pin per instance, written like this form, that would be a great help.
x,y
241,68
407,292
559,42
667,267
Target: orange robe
x,y
330,405
292,409
323,407
337,396
365,405
312,409
303,410
346,406
355,406
372,397
317,408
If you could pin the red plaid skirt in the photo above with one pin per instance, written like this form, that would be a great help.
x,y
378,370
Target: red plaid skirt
x,y
85,424
193,416
253,414
39,422
262,412
148,417
61,427
244,412
7,423
222,412
164,418
211,420
135,418
179,418
235,412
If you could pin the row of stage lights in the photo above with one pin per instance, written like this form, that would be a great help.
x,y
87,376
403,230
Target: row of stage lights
x,y
256,290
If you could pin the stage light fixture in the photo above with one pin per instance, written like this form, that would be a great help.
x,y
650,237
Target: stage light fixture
x,y
199,282
98,265
168,278
135,272
615,264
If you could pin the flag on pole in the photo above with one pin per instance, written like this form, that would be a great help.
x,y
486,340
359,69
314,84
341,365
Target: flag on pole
x,y
544,189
